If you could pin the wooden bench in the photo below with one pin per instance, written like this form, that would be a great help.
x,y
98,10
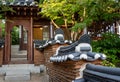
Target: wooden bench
x,y
98,73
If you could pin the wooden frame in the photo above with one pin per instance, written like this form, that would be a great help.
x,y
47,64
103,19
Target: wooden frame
x,y
27,22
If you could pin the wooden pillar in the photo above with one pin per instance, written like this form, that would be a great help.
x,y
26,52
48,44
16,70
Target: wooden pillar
x,y
30,41
51,30
28,25
7,42
21,37
1,56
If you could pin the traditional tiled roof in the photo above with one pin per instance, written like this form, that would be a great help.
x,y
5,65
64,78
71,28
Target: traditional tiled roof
x,y
59,31
1,43
76,56
41,44
99,73
80,50
71,48
20,3
58,39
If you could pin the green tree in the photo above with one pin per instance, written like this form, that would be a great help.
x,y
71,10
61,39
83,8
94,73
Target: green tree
x,y
2,25
81,13
61,12
4,8
15,36
102,13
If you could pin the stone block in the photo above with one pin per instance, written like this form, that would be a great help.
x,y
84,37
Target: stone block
x,y
20,75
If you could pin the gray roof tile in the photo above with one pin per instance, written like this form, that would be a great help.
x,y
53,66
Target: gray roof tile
x,y
20,3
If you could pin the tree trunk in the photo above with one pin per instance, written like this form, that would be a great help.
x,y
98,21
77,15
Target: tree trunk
x,y
67,30
55,24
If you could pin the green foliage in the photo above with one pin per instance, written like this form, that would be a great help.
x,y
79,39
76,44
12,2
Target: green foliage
x,y
78,26
41,1
5,8
59,21
98,11
55,9
81,25
2,25
15,36
81,13
110,40
103,10
109,45
107,63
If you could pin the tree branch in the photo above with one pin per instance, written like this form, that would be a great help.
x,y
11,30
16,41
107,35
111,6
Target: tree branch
x,y
55,24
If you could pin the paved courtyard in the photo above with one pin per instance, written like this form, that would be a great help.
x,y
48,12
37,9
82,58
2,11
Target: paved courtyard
x,y
35,76
42,77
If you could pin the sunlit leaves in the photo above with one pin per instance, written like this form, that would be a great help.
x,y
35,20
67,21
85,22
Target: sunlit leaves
x,y
55,9
81,13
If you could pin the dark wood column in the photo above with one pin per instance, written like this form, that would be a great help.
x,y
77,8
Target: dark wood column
x,y
30,42
7,42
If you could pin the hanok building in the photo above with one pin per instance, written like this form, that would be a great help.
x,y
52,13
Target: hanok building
x,y
31,26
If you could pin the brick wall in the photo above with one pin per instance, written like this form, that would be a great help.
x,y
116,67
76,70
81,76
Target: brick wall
x,y
1,56
38,57
64,71
50,51
42,57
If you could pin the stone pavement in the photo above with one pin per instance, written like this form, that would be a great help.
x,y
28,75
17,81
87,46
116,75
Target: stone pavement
x,y
37,73
39,77
17,54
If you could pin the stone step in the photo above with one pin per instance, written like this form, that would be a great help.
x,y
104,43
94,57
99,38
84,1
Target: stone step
x,y
19,74
17,59
22,78
30,67
19,56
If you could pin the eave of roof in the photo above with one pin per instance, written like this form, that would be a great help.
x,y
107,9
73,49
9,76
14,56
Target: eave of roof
x,y
20,3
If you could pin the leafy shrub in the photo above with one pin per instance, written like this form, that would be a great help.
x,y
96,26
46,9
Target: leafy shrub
x,y
15,36
109,45
107,63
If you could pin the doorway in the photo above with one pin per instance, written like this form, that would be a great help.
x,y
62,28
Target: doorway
x,y
18,44
25,39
